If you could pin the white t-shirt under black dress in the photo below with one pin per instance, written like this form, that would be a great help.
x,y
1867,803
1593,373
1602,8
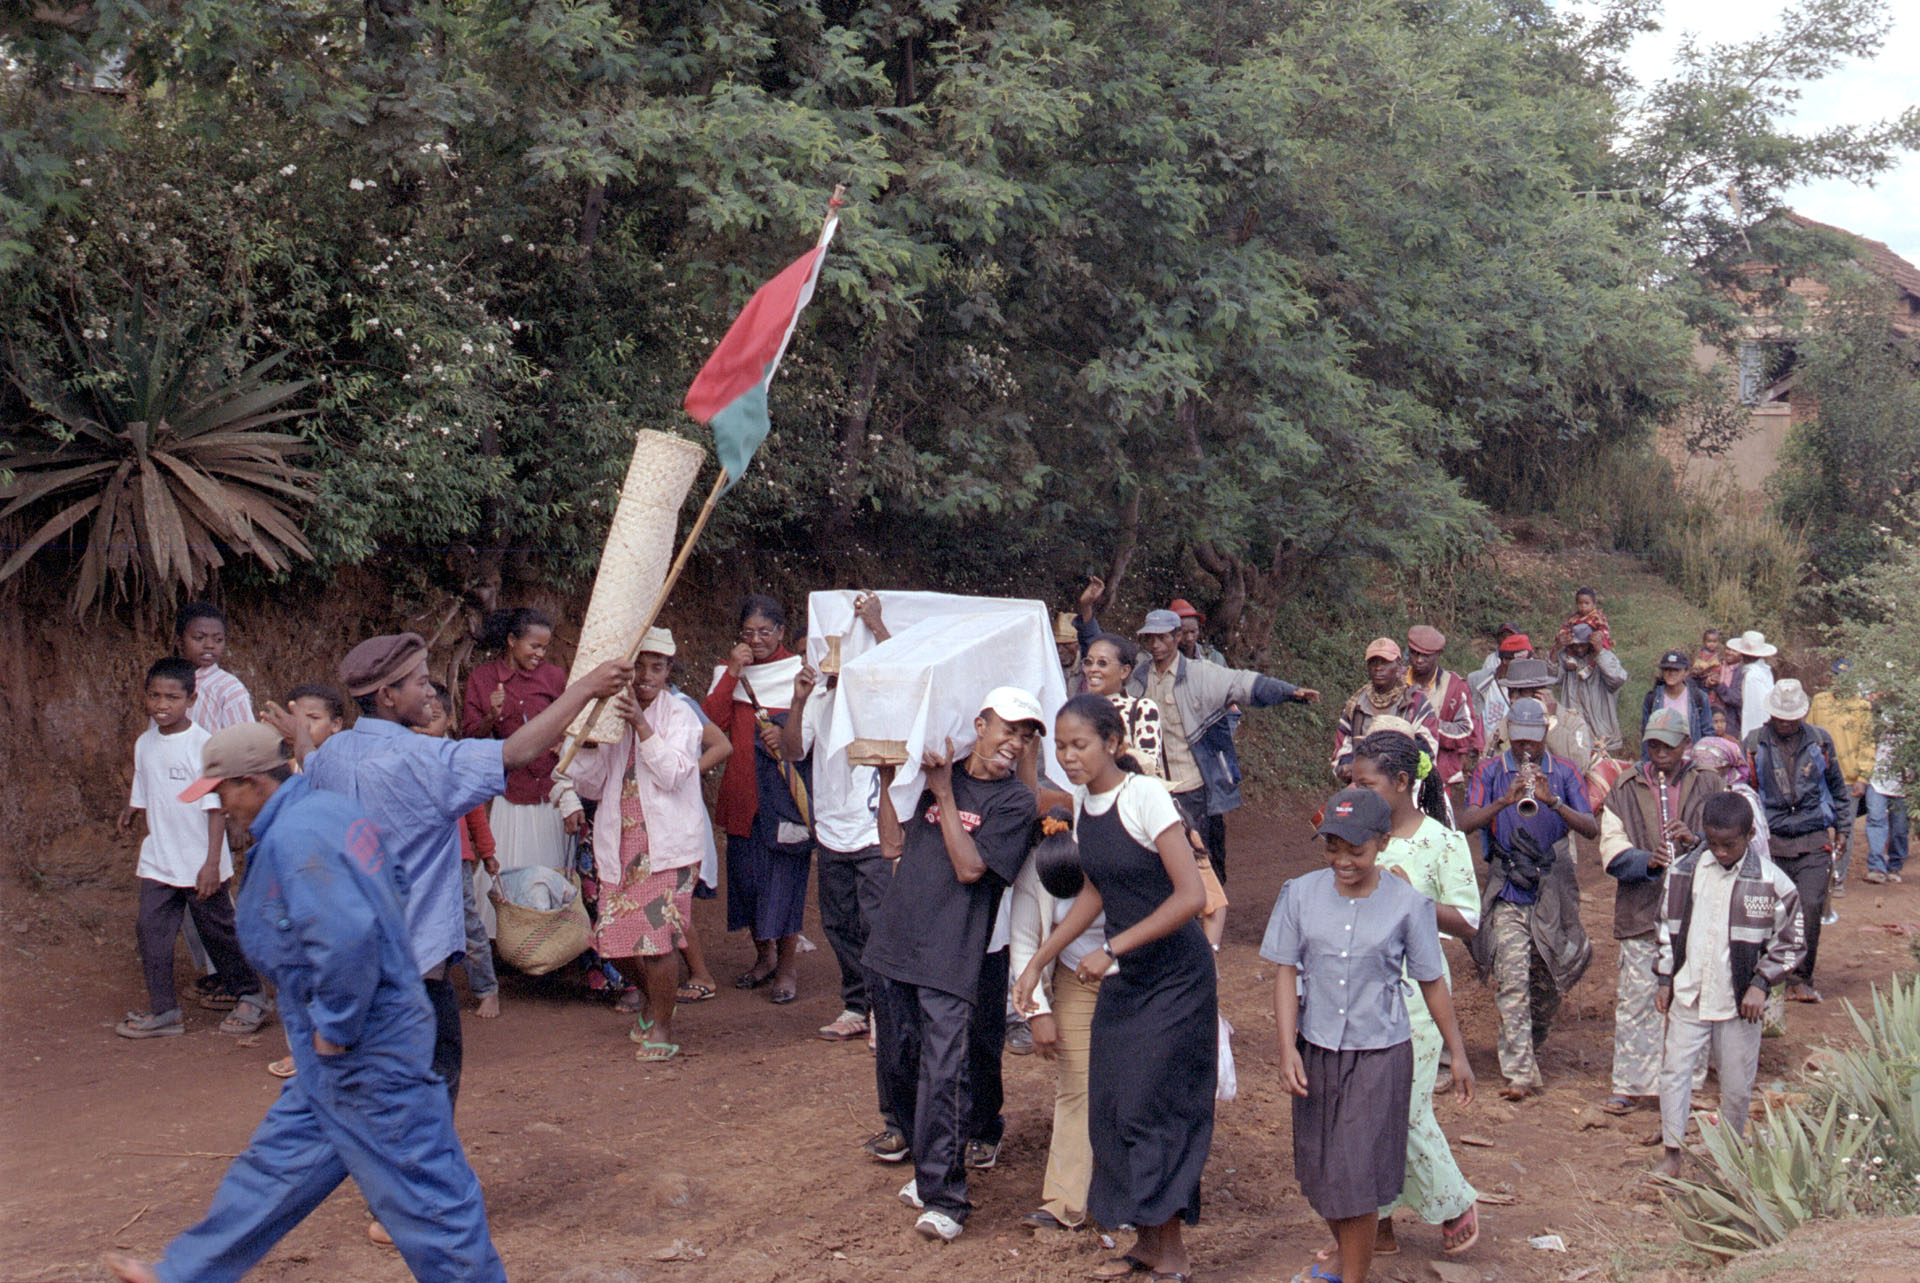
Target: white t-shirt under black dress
x,y
1152,1063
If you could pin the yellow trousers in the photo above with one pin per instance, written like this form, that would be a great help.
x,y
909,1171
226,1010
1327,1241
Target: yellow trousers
x,y
1063,1193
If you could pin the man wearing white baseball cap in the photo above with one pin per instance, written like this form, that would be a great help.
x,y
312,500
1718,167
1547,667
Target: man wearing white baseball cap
x,y
1797,775
962,846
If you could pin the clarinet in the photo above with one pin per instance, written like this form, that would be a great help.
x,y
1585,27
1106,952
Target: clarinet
x,y
1666,811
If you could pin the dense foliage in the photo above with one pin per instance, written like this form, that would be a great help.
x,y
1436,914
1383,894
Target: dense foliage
x,y
1850,473
1284,288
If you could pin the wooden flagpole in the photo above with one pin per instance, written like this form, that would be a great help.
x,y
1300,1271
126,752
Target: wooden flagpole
x,y
659,602
686,550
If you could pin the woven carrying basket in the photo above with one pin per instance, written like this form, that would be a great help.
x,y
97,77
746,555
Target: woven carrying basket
x,y
634,563
537,941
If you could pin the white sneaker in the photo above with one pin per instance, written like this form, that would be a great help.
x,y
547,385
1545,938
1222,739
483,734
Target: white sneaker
x,y
932,1225
910,1194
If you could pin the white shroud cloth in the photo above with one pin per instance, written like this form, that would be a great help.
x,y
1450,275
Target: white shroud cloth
x,y
928,681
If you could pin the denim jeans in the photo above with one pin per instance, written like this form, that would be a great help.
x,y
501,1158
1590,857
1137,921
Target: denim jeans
x,y
1887,826
481,980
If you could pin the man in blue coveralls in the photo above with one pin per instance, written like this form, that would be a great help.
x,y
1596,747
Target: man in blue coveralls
x,y
320,914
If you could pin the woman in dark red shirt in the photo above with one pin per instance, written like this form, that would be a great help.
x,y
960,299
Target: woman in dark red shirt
x,y
502,695
769,849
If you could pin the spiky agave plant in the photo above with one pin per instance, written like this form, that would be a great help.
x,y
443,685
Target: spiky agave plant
x,y
162,462
1852,1149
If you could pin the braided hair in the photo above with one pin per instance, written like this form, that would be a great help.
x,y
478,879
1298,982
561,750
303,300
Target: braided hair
x,y
1397,753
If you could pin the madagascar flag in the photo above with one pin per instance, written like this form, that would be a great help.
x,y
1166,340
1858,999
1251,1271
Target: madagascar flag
x,y
731,390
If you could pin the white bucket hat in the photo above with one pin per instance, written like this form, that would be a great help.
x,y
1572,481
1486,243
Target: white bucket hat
x,y
1788,700
1753,644
658,641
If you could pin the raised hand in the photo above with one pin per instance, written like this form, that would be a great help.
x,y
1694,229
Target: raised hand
x,y
1090,595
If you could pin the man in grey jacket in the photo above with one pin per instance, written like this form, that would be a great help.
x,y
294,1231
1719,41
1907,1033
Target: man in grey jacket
x,y
1195,700
1590,680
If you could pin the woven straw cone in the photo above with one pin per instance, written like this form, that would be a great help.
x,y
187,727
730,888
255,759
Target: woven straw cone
x,y
634,563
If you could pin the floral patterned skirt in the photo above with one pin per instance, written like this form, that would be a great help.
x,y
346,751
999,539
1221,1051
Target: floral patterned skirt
x,y
646,915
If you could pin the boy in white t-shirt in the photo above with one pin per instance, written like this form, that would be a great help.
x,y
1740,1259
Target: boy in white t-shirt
x,y
184,862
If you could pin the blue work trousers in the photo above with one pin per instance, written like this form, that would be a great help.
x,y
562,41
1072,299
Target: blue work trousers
x,y
373,1117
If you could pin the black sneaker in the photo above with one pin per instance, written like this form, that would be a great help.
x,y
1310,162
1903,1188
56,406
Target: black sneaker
x,y
982,1154
887,1146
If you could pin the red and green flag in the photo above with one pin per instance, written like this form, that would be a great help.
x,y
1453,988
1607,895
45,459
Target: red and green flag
x,y
730,392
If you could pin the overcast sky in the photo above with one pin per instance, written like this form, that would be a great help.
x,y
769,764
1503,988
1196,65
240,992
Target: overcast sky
x,y
1858,92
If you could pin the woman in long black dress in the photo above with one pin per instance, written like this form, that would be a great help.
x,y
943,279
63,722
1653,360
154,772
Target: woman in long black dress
x,y
1150,1075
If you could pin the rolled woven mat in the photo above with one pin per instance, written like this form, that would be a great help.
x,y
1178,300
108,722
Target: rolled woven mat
x,y
634,563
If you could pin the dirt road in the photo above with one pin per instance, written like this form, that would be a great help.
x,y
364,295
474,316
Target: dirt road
x,y
746,1151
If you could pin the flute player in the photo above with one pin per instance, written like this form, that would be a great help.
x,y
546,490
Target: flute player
x,y
1652,813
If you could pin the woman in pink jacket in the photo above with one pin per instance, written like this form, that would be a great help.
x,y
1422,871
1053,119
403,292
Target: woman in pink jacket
x,y
648,838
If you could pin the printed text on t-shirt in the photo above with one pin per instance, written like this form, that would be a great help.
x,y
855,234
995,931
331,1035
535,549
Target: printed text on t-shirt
x,y
968,820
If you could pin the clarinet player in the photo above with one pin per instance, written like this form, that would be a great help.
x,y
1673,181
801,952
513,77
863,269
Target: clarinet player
x,y
1653,812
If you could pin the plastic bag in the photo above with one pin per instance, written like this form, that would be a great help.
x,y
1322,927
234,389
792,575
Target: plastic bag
x,y
1228,1082
535,886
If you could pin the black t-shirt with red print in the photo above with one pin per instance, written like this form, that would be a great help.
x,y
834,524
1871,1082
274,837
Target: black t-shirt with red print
x,y
932,929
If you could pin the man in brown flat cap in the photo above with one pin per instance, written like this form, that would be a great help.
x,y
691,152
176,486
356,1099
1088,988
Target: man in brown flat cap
x,y
1461,736
415,788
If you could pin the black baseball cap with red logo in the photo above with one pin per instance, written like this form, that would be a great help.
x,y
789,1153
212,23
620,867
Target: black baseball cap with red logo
x,y
1358,815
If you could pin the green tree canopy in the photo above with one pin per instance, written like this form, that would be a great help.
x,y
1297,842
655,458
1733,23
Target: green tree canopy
x,y
1288,289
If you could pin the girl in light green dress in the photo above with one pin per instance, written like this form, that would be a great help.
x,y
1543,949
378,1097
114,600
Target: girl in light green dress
x,y
1436,861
